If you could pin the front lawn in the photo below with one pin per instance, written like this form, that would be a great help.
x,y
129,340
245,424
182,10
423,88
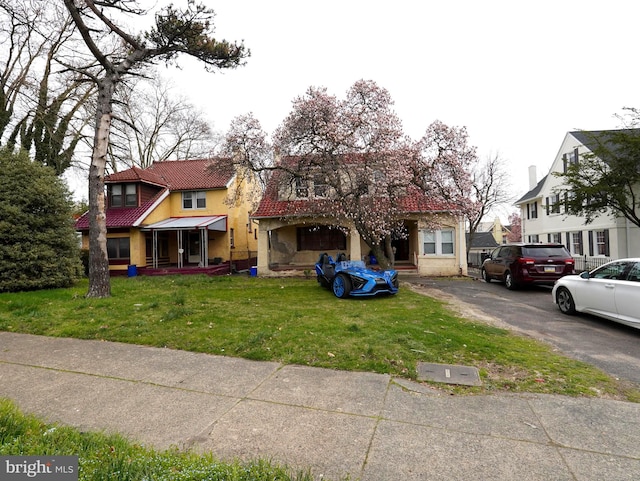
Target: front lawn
x,y
294,321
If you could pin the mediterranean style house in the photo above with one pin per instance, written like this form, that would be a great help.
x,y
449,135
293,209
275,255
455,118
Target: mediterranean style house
x,y
178,215
544,218
292,238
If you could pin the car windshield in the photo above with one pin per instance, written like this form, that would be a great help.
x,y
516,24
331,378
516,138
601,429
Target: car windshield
x,y
545,251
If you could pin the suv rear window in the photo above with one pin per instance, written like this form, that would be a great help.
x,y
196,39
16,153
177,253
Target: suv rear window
x,y
545,251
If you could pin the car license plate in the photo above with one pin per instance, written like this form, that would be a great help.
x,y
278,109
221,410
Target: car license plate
x,y
549,269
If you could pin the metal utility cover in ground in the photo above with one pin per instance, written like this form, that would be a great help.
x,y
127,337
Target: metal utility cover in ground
x,y
465,375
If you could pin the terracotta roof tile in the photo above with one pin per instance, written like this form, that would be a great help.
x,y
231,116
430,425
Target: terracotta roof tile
x,y
180,174
271,206
194,174
121,216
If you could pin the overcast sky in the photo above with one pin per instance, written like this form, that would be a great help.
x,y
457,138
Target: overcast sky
x,y
518,75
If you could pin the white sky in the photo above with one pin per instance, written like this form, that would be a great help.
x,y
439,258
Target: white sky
x,y
518,75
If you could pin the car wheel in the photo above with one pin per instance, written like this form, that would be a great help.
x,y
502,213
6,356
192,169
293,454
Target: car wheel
x,y
485,276
509,282
565,301
341,286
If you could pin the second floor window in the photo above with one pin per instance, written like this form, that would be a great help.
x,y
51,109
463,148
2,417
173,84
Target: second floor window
x,y
196,199
124,195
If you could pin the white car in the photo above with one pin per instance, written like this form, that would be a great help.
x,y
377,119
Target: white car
x,y
611,291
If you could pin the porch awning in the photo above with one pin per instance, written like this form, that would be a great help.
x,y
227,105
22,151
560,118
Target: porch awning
x,y
215,222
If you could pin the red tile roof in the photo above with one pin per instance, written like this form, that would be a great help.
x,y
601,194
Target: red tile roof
x,y
197,174
121,216
194,174
135,174
271,206
200,174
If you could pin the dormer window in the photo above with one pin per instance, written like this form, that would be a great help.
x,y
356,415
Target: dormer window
x,y
196,199
124,195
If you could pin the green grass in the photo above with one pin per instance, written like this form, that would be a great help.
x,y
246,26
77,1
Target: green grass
x,y
294,321
104,457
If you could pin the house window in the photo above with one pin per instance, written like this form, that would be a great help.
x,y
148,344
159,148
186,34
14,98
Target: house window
x,y
118,248
553,204
302,190
320,189
569,159
196,199
555,238
124,195
601,243
533,238
320,238
576,243
438,242
532,210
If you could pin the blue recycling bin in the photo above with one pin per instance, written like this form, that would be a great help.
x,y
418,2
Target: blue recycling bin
x,y
132,271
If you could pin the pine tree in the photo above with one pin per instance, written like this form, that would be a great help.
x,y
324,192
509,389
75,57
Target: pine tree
x,y
38,244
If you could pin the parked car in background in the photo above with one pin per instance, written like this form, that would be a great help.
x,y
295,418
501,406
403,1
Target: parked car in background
x,y
520,264
611,291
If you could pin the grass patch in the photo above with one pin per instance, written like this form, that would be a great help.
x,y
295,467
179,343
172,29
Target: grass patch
x,y
102,457
293,321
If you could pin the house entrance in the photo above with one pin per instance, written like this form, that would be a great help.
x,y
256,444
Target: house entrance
x,y
401,247
193,247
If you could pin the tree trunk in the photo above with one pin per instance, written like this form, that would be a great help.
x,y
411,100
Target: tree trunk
x,y
378,252
99,281
389,250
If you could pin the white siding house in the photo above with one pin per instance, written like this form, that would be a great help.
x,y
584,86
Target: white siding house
x,y
544,218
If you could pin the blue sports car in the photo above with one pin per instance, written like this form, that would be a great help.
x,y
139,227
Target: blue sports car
x,y
352,278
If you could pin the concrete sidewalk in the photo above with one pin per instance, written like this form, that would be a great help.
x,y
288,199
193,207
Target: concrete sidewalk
x,y
370,426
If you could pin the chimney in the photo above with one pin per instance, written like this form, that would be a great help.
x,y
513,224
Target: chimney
x,y
533,177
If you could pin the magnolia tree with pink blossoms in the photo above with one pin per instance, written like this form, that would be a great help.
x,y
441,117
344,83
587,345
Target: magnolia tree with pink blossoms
x,y
361,167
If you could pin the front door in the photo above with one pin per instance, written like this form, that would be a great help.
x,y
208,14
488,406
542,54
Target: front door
x,y
193,247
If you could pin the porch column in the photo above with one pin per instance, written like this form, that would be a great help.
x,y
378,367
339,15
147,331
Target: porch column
x,y
154,248
180,248
355,252
204,247
263,250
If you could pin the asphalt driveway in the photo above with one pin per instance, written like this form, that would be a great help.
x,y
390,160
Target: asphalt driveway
x,y
612,347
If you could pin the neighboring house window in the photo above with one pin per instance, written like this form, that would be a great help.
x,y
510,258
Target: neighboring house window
x,y
576,243
553,204
118,248
568,159
124,195
320,238
438,242
599,243
196,199
555,238
534,238
532,210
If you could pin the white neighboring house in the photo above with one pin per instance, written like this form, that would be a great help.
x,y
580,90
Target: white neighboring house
x,y
544,217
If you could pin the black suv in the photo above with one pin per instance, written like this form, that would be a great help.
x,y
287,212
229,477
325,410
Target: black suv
x,y
517,264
